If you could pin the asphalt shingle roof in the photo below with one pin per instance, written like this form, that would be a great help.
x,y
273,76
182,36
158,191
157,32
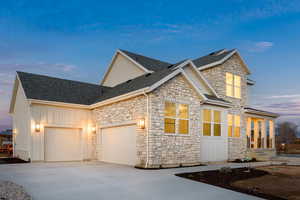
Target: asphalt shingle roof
x,y
137,83
211,97
249,109
68,91
149,63
212,57
47,88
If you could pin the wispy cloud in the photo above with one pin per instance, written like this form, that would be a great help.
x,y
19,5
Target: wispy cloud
x,y
287,105
270,8
258,47
289,96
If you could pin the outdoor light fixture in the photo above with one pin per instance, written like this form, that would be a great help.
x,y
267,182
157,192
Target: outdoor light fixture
x,y
93,129
37,127
141,123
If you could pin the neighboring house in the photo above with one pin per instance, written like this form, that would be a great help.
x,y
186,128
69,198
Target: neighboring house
x,y
5,136
145,112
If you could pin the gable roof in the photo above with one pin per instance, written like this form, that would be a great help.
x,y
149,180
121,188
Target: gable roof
x,y
45,88
212,57
217,58
48,88
147,62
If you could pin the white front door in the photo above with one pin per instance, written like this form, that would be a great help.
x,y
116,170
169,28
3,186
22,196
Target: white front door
x,y
214,140
213,149
62,144
118,145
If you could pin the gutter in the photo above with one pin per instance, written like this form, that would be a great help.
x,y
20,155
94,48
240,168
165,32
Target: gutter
x,y
228,105
148,124
260,113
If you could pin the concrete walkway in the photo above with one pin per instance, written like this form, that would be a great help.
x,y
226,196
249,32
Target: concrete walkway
x,y
96,180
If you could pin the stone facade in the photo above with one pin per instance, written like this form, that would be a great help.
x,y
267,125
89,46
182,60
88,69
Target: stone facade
x,y
170,150
216,76
121,113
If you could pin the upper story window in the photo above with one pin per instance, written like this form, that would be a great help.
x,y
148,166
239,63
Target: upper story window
x,y
211,122
233,85
234,125
176,118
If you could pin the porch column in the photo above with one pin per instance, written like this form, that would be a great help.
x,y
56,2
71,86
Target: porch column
x,y
255,134
264,134
272,133
248,132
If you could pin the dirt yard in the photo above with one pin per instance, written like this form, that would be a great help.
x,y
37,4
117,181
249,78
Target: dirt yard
x,y
282,181
269,182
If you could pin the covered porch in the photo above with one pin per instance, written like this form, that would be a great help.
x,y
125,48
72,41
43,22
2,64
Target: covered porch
x,y
260,133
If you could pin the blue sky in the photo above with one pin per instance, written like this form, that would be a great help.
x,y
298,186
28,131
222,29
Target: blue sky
x,y
76,40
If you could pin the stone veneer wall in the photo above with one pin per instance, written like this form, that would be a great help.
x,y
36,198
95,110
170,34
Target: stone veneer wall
x,y
122,112
170,150
216,76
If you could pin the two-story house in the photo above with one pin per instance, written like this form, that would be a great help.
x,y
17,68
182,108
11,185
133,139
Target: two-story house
x,y
145,112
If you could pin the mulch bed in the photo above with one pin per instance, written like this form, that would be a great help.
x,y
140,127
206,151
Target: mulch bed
x,y
226,176
245,161
11,161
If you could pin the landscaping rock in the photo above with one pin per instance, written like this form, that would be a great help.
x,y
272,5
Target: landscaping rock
x,y
12,191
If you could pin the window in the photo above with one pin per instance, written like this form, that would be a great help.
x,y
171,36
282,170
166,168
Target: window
x,y
234,125
233,85
176,115
211,122
183,119
170,117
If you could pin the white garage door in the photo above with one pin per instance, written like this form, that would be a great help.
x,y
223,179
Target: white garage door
x,y
62,144
118,145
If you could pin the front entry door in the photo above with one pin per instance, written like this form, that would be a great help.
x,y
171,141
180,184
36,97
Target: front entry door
x,y
214,140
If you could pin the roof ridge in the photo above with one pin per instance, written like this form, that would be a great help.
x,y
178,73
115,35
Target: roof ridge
x,y
47,76
125,51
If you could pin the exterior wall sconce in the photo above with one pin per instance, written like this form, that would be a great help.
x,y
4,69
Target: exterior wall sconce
x,y
141,123
93,129
37,127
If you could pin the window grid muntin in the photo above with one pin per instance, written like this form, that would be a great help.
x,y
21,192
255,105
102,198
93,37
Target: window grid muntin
x,y
178,118
233,84
212,122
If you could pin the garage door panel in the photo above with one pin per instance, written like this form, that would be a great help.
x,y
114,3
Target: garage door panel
x,y
119,145
62,144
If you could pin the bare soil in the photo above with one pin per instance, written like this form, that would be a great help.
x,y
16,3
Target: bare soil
x,y
282,181
270,182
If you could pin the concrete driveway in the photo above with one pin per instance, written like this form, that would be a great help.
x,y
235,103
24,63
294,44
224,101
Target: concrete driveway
x,y
96,180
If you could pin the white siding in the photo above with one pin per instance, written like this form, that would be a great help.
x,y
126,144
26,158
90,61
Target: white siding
x,y
122,70
21,126
61,117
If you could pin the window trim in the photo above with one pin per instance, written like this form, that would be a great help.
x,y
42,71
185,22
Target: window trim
x,y
233,125
232,85
177,118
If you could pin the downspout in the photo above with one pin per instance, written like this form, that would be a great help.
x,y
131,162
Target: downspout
x,y
148,124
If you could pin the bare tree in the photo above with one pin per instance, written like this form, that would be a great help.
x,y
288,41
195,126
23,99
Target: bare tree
x,y
286,133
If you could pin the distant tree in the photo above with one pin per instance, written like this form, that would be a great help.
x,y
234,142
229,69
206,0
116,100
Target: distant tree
x,y
286,133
